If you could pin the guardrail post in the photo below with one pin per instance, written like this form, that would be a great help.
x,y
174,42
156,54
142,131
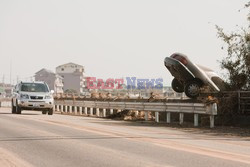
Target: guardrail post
x,y
111,111
91,110
61,108
146,115
211,121
66,109
213,112
80,110
97,112
156,116
196,120
70,109
168,114
85,110
75,110
181,116
104,112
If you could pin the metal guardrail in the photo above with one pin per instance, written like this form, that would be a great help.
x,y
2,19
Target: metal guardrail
x,y
5,102
86,107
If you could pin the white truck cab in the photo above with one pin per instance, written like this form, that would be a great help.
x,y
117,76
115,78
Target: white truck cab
x,y
32,96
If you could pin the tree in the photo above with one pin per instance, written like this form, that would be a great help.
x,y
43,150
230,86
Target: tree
x,y
237,61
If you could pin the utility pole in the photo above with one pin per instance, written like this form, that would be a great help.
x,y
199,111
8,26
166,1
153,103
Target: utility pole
x,y
17,79
3,78
10,70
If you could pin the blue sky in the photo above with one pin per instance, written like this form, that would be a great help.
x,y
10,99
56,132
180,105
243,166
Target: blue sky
x,y
112,38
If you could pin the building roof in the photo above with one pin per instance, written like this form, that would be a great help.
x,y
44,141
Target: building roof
x,y
45,70
50,72
70,63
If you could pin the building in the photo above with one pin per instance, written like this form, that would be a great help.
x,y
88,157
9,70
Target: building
x,y
169,92
73,77
6,90
54,81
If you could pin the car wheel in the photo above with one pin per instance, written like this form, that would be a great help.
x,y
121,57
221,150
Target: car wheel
x,y
192,89
51,111
177,86
44,112
13,108
18,109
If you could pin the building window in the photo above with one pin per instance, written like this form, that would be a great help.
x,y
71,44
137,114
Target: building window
x,y
62,69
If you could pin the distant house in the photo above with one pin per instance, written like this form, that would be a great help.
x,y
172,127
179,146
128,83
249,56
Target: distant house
x,y
6,90
73,77
54,81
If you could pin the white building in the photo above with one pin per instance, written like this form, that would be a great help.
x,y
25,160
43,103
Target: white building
x,y
73,77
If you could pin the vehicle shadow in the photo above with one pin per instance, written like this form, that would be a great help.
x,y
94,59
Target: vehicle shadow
x,y
9,113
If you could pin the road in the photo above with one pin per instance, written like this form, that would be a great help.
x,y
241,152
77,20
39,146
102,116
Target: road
x,y
33,139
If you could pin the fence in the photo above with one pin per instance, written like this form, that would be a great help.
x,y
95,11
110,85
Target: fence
x,y
244,102
87,107
5,102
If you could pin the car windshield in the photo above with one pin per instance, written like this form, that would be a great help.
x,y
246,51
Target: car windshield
x,y
34,87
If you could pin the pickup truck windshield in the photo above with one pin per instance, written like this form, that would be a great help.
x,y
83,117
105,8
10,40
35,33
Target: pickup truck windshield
x,y
34,87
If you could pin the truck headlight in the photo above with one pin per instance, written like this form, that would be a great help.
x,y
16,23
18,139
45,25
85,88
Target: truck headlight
x,y
48,97
24,96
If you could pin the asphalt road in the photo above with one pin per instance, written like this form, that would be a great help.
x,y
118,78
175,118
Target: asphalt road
x,y
33,139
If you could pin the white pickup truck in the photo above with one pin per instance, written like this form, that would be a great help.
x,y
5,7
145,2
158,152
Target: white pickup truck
x,y
32,96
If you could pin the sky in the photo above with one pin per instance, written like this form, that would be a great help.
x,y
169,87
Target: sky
x,y
112,38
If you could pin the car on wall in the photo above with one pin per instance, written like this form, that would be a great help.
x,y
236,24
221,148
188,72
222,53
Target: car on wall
x,y
32,96
190,77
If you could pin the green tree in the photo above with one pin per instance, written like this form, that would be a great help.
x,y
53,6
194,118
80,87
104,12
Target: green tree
x,y
237,61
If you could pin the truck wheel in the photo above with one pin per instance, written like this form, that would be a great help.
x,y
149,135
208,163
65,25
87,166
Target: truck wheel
x,y
51,111
192,89
177,86
13,108
18,109
44,112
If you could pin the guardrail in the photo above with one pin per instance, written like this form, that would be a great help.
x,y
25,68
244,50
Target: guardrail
x,y
98,108
5,102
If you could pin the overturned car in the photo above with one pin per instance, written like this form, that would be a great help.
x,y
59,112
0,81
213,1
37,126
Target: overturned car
x,y
190,77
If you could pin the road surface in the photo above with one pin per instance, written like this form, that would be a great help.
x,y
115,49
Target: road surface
x,y
33,139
